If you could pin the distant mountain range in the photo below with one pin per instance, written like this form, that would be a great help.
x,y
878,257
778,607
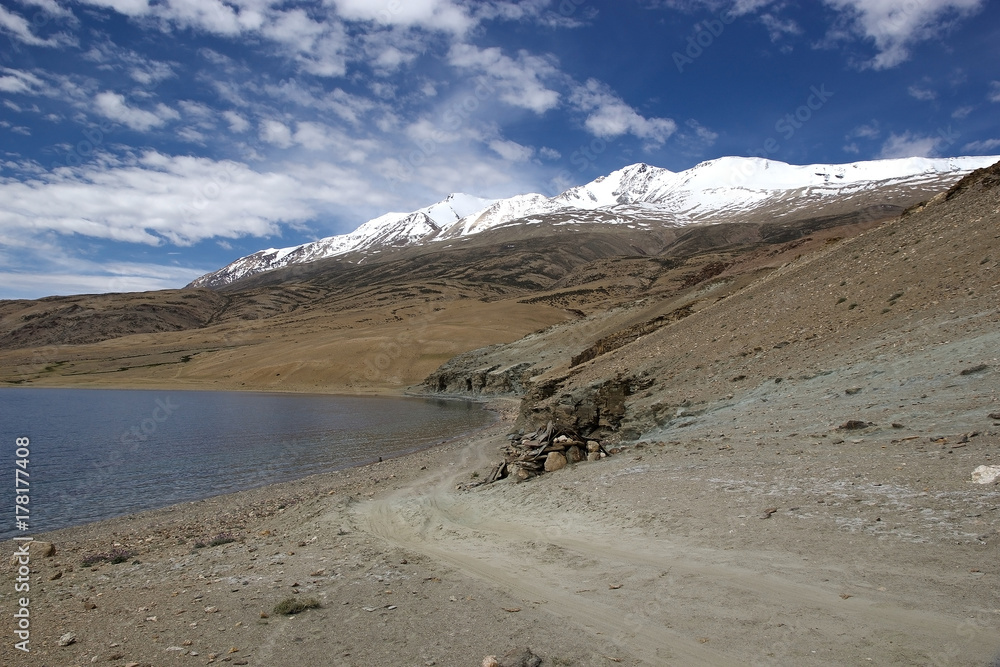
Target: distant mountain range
x,y
724,189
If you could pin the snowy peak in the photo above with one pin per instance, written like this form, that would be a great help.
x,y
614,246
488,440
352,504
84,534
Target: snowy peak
x,y
454,207
498,213
630,185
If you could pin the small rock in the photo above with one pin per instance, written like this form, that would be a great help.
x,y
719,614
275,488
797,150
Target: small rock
x,y
521,658
67,639
852,391
491,661
593,456
554,461
36,549
574,455
994,415
56,575
211,610
593,446
974,369
853,425
986,474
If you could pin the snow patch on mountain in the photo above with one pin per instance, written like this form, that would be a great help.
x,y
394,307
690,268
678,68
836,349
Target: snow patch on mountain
x,y
710,191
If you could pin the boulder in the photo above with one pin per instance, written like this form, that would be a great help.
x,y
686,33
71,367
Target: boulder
x,y
574,455
986,475
554,461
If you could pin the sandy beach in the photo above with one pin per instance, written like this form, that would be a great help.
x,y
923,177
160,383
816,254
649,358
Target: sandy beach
x,y
702,552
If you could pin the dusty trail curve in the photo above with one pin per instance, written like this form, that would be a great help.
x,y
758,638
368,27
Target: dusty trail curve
x,y
672,593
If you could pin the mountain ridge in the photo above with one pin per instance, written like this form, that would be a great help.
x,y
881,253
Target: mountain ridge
x,y
706,193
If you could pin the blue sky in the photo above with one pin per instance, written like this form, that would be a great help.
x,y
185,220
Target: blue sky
x,y
146,142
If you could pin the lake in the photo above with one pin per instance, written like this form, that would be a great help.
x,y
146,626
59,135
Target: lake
x,y
96,454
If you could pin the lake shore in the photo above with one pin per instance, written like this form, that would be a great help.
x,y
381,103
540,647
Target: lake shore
x,y
669,553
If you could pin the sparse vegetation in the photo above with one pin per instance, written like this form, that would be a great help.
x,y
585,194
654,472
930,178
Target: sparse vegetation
x,y
294,605
221,538
115,556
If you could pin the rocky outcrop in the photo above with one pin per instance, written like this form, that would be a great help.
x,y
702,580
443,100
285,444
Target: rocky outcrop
x,y
595,409
471,374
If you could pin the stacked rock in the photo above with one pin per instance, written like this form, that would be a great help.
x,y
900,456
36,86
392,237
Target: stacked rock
x,y
546,450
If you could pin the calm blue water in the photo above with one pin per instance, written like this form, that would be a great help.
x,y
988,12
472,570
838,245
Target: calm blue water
x,y
96,454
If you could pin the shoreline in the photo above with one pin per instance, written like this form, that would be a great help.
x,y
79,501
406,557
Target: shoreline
x,y
494,407
681,552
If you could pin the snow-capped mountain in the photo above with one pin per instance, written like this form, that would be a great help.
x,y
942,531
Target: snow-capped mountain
x,y
712,191
388,230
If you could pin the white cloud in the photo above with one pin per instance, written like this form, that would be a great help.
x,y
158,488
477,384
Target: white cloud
x,y
442,15
237,123
865,131
982,146
608,116
19,28
962,112
994,94
50,7
346,106
96,278
113,106
778,27
922,94
319,137
276,133
14,81
177,199
511,150
909,145
126,7
896,26
549,153
519,81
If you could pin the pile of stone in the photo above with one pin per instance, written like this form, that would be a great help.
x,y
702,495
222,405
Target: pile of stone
x,y
546,450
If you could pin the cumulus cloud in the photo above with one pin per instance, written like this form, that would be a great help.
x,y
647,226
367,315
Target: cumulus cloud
x,y
983,146
159,198
994,94
895,27
442,15
909,145
922,94
14,81
18,28
511,150
113,106
608,116
276,133
237,123
519,81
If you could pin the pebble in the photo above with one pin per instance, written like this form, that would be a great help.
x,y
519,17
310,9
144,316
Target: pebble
x,y
67,639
